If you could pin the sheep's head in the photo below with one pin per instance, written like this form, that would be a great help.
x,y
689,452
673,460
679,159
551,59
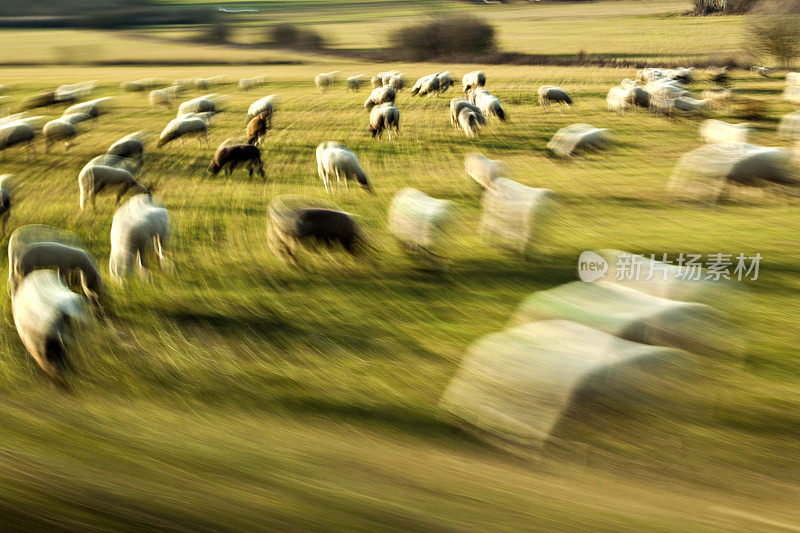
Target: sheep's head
x,y
214,167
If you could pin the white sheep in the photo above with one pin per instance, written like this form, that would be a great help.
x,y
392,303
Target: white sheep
x,y
577,137
550,94
469,121
789,127
792,94
130,147
376,81
262,106
92,107
201,104
16,133
138,226
245,84
445,81
627,95
58,130
181,127
396,82
793,78
74,91
354,83
325,80
384,117
45,314
717,131
131,87
77,118
687,103
488,104
160,97
419,222
381,95
457,104
426,85
95,178
481,169
334,160
718,98
761,71
473,80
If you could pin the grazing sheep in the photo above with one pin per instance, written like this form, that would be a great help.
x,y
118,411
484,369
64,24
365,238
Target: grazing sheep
x,y
717,131
488,104
325,80
14,134
180,127
45,314
419,222
718,98
92,107
96,178
514,215
376,81
626,96
384,117
468,121
473,80
396,82
354,83
445,81
160,97
792,94
334,160
58,131
231,156
710,172
74,91
381,95
263,106
37,122
131,165
297,221
687,103
550,94
426,85
130,147
257,129
761,71
45,99
131,87
201,104
5,201
481,169
789,127
578,137
64,260
793,78
245,84
77,118
457,104
138,226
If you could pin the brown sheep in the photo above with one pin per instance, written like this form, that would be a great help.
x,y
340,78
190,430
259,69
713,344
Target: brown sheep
x,y
257,129
230,156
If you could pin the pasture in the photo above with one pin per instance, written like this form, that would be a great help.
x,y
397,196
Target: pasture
x,y
236,392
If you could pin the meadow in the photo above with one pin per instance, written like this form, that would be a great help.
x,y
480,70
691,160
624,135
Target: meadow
x,y
235,392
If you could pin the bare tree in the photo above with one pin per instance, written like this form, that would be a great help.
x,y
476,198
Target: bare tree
x,y
775,30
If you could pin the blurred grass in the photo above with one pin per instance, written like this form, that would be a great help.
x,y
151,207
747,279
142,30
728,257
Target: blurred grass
x,y
237,393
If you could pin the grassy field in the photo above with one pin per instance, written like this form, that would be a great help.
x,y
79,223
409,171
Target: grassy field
x,y
234,392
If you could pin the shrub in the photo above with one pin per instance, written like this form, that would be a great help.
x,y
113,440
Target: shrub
x,y
290,35
443,37
775,30
218,31
708,7
749,108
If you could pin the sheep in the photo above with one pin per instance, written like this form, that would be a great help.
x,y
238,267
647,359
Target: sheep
x,y
718,98
445,81
232,155
14,134
792,94
95,178
63,259
131,87
128,147
426,85
138,226
376,81
354,83
263,106
457,104
45,314
468,122
381,95
37,122
159,97
44,99
56,131
5,201
257,129
92,107
180,127
687,103
419,222
717,131
245,84
325,80
334,160
627,95
481,169
384,117
77,118
201,104
396,82
789,127
488,104
74,91
793,78
294,222
551,94
131,165
761,71
473,80
567,141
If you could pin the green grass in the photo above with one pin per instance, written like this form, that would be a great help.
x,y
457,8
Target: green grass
x,y
237,388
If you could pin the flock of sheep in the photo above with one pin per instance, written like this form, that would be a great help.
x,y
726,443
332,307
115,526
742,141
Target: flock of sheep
x,y
44,262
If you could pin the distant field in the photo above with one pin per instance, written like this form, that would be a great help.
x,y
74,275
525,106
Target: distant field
x,y
240,393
